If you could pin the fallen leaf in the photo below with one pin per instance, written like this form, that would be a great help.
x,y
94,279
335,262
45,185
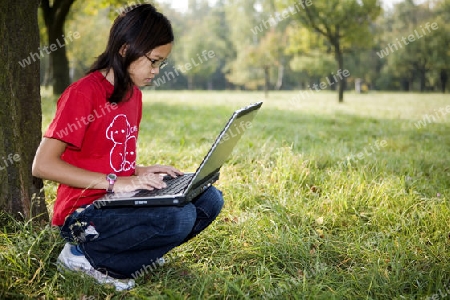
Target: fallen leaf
x,y
320,233
319,220
314,189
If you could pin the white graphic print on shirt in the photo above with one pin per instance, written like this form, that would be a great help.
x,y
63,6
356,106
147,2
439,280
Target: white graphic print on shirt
x,y
123,152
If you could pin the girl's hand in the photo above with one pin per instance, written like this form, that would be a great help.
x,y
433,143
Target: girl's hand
x,y
149,181
157,169
147,178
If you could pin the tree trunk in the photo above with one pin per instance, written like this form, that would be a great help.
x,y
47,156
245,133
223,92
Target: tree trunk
x,y
190,82
444,78
422,80
342,82
21,194
47,73
280,76
331,79
404,82
55,17
59,61
266,81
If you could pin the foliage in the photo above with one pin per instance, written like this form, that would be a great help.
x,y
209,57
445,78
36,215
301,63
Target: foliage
x,y
344,25
267,44
91,44
423,49
202,46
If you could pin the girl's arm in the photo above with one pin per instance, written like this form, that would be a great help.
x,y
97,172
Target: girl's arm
x,y
48,165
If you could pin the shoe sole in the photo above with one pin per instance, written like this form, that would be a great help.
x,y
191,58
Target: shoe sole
x,y
62,267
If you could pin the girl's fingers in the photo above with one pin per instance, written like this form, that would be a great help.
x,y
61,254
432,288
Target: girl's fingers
x,y
172,171
155,181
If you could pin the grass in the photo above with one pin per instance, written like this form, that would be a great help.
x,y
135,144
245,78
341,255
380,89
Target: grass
x,y
305,216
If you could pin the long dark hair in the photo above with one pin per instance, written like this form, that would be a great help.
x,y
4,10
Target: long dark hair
x,y
140,29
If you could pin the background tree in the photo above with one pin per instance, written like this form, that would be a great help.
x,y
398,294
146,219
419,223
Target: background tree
x,y
259,43
240,17
55,17
407,62
55,14
204,34
287,54
20,116
442,46
345,24
268,53
93,24
268,57
423,57
311,54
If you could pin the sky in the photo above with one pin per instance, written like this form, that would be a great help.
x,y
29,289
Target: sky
x,y
182,5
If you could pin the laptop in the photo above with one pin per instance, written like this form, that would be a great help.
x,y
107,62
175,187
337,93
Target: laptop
x,y
183,189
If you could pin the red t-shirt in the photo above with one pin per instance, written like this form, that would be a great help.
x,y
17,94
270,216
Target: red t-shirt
x,y
101,137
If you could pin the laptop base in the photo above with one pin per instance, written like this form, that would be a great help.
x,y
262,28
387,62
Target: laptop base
x,y
109,201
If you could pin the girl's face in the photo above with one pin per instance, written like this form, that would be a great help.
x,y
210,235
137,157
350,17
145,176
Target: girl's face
x,y
143,70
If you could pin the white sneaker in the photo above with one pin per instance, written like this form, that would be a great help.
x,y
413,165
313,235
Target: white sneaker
x,y
71,259
160,261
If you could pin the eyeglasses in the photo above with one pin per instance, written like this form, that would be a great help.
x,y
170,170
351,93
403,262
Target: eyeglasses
x,y
157,63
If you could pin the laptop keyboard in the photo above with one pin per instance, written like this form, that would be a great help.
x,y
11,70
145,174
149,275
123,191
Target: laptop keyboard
x,y
174,186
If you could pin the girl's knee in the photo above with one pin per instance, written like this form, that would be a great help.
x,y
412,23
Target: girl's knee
x,y
210,202
183,220
216,198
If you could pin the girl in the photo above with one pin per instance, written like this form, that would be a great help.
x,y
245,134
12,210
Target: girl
x,y
90,148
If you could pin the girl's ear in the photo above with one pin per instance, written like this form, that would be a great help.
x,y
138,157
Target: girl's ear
x,y
123,50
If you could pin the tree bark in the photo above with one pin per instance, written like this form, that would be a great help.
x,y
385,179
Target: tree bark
x,y
404,82
55,17
422,78
342,83
444,78
331,79
59,61
266,81
190,81
21,194
280,77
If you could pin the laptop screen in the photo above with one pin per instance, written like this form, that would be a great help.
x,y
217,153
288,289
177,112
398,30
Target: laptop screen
x,y
225,142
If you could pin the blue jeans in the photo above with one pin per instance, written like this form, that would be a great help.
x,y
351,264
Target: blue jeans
x,y
121,241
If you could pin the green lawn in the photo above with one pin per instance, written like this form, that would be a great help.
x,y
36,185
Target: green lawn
x,y
323,201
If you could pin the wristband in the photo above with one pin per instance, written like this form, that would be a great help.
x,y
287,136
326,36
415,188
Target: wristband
x,y
111,178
